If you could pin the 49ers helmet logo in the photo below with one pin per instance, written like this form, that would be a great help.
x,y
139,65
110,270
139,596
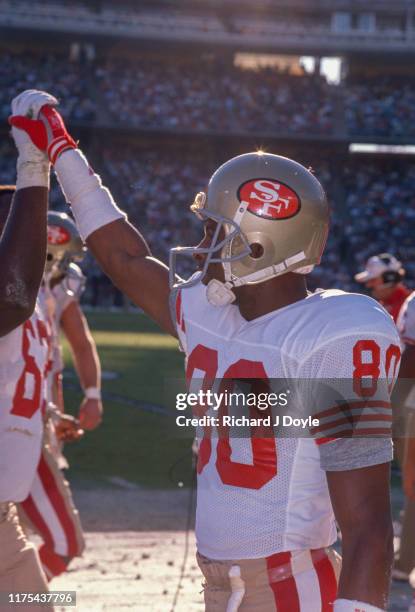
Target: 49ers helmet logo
x,y
269,199
58,235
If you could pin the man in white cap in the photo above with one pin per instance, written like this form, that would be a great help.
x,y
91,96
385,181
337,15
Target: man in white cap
x,y
383,277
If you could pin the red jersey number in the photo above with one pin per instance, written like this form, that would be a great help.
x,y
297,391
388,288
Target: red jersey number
x,y
24,405
264,451
366,361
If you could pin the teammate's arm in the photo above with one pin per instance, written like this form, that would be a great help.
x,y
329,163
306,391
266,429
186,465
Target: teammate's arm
x,y
118,246
23,242
361,504
86,360
22,253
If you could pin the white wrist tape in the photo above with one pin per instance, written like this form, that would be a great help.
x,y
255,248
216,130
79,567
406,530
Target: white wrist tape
x,y
92,204
92,393
347,605
32,174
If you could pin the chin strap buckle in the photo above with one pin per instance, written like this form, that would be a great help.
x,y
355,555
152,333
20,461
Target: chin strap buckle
x,y
219,294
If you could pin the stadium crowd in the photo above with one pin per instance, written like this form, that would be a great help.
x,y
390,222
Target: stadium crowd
x,y
66,80
382,107
211,95
215,97
380,202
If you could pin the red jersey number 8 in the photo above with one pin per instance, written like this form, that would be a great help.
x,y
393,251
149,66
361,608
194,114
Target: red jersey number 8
x,y
24,406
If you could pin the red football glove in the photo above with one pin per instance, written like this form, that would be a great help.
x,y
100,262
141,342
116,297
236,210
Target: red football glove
x,y
48,133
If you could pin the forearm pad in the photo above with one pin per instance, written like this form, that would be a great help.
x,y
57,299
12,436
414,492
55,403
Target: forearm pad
x,y
32,174
92,204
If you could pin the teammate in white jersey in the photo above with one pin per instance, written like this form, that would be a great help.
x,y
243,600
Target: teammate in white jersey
x,y
49,509
265,505
24,353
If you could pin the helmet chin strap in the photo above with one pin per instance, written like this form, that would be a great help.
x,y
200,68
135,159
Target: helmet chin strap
x,y
221,293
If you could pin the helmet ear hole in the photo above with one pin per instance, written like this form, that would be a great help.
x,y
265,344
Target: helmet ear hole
x,y
257,250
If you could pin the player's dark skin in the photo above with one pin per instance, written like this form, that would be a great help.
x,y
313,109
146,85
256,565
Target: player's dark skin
x,y
22,253
360,497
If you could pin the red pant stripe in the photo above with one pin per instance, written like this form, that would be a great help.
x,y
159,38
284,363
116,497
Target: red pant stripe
x,y
58,504
53,564
326,579
37,520
285,591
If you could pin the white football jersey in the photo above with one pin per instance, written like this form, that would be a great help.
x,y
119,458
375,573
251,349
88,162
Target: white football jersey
x,y
257,497
24,355
406,320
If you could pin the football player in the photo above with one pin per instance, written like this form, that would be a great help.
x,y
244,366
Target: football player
x,y
67,283
49,509
23,351
265,506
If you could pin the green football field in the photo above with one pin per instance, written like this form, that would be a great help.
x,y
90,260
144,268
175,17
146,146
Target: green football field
x,y
137,441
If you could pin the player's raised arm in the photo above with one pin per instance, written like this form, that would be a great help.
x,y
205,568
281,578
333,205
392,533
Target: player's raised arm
x,y
124,255
118,246
23,242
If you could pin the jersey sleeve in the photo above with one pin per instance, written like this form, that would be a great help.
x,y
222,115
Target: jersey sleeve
x,y
347,383
406,320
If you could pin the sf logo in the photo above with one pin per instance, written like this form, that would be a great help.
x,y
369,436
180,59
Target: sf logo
x,y
57,235
269,199
267,192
